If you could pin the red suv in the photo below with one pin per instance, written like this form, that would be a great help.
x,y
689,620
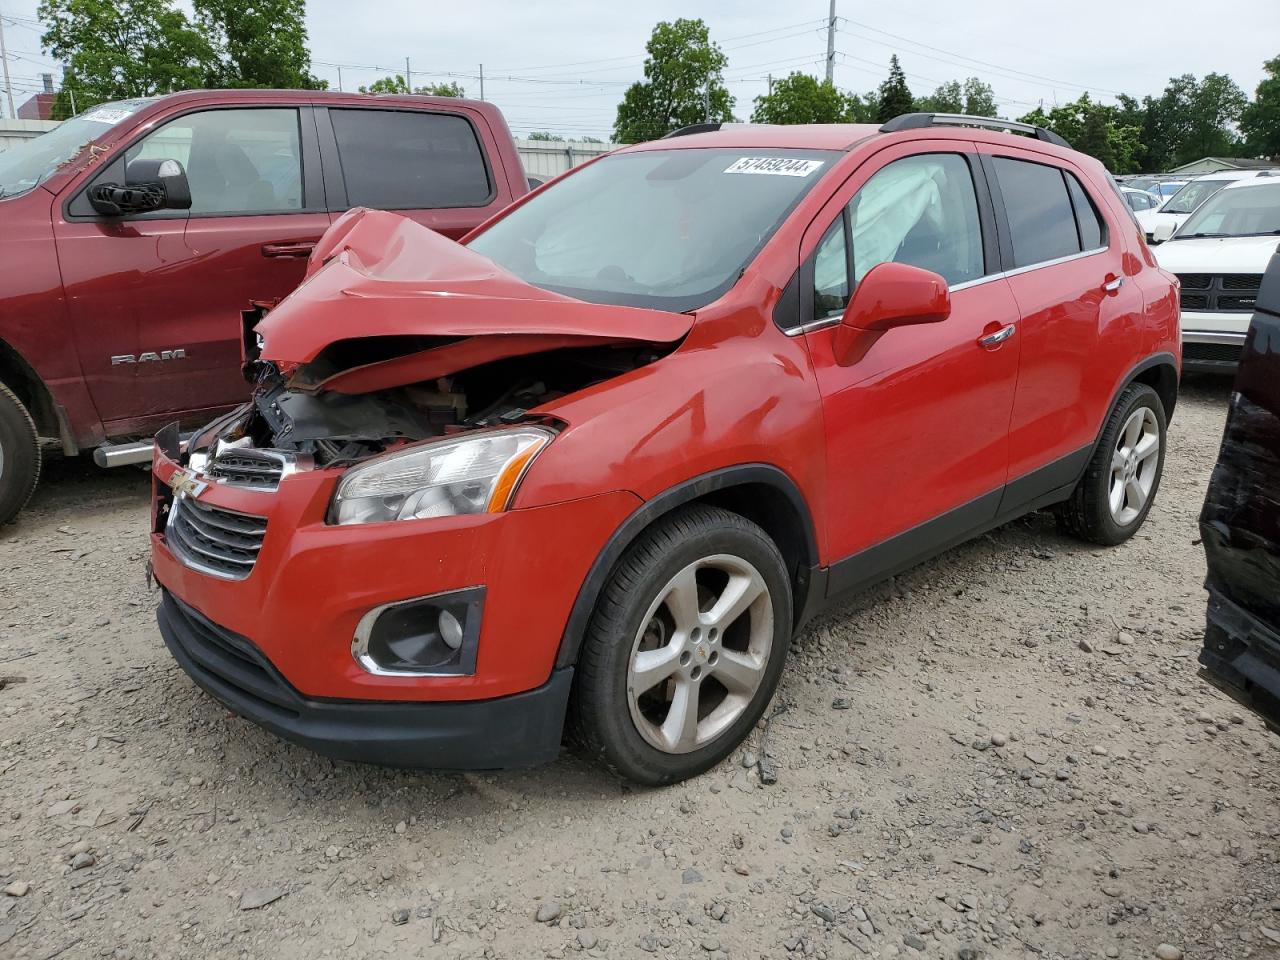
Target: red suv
x,y
603,459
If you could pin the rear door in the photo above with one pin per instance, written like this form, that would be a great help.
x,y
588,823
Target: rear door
x,y
434,166
1081,320
917,429
164,290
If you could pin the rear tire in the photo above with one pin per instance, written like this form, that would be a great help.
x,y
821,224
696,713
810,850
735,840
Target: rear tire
x,y
685,647
19,455
1114,496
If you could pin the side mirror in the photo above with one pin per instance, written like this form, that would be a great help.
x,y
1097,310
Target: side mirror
x,y
1161,232
890,295
149,185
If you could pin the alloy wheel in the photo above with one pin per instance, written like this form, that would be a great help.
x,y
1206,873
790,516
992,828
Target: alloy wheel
x,y
701,653
1135,465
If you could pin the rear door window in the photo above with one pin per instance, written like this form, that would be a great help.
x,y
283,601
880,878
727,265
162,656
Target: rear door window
x,y
410,159
1093,232
1042,222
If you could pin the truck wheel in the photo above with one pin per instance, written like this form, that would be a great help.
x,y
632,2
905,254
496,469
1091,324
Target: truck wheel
x,y
1119,485
19,455
685,647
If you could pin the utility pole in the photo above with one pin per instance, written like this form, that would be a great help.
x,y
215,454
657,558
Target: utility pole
x,y
4,58
339,79
482,81
408,77
706,103
771,84
831,42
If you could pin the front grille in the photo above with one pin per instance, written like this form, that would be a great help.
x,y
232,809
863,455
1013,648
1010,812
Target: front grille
x,y
1209,291
1241,281
223,659
260,469
1210,353
214,540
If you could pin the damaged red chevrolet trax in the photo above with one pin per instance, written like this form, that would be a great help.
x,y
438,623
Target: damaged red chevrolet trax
x,y
595,465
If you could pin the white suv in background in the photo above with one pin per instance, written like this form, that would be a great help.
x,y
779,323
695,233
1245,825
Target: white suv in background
x,y
1219,255
1159,224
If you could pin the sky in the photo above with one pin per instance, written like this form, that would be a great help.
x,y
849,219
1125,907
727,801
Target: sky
x,y
563,66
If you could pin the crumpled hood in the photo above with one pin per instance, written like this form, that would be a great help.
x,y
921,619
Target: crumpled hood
x,y
378,274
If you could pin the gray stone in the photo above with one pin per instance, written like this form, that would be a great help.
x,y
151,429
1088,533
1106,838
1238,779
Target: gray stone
x,y
400,916
823,911
1167,951
82,860
547,912
690,875
587,941
914,942
256,897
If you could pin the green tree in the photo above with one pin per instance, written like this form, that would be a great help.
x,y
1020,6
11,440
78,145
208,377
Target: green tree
x,y
895,96
258,43
397,84
1260,121
683,84
1192,119
973,97
545,135
800,98
1093,128
123,48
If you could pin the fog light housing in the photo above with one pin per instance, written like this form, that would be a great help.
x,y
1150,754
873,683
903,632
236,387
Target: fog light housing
x,y
433,636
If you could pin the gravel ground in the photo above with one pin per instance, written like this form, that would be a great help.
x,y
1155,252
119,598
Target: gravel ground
x,y
1005,753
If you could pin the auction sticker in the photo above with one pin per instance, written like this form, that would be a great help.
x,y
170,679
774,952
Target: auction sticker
x,y
106,115
774,166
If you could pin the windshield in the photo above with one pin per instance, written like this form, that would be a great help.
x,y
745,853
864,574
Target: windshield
x,y
666,229
1192,195
1241,212
30,163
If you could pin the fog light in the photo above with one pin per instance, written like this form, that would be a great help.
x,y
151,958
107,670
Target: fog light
x,y
450,630
429,636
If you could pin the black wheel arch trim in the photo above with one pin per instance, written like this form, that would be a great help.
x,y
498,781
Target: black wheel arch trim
x,y
656,507
1141,367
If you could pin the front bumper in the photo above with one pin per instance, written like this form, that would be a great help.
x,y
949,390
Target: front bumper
x,y
312,582
1212,342
514,731
1241,657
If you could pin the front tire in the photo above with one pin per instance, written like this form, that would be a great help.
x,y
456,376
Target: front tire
x,y
1119,486
19,455
685,647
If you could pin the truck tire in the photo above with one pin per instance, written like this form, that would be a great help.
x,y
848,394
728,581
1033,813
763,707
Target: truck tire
x,y
19,455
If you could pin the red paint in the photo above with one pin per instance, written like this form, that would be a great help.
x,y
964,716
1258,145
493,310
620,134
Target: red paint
x,y
77,291
923,420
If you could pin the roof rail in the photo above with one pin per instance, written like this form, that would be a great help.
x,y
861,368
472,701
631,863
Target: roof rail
x,y
916,121
693,128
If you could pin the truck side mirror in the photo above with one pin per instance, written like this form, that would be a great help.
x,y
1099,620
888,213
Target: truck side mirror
x,y
890,295
1161,232
149,185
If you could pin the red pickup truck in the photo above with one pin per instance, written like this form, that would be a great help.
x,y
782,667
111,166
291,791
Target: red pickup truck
x,y
134,235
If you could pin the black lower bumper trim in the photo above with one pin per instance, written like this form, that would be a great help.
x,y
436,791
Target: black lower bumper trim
x,y
522,730
1241,657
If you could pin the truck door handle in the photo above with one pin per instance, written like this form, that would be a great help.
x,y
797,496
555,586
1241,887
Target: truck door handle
x,y
1113,284
288,248
992,340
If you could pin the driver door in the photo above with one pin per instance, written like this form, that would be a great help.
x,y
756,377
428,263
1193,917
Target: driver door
x,y
155,299
918,427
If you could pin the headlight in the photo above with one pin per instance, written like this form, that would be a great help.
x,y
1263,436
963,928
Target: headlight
x,y
471,474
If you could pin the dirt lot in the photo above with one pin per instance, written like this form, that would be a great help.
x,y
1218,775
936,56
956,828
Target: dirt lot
x,y
1005,753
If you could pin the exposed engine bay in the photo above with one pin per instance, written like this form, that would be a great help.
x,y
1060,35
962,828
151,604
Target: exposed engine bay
x,y
337,429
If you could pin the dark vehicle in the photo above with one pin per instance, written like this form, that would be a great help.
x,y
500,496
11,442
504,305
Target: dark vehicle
x,y
135,234
1241,525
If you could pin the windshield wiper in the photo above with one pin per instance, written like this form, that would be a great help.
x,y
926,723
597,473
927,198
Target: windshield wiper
x,y
1197,236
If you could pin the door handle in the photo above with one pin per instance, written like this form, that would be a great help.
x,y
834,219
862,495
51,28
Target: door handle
x,y
993,340
288,248
1113,284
